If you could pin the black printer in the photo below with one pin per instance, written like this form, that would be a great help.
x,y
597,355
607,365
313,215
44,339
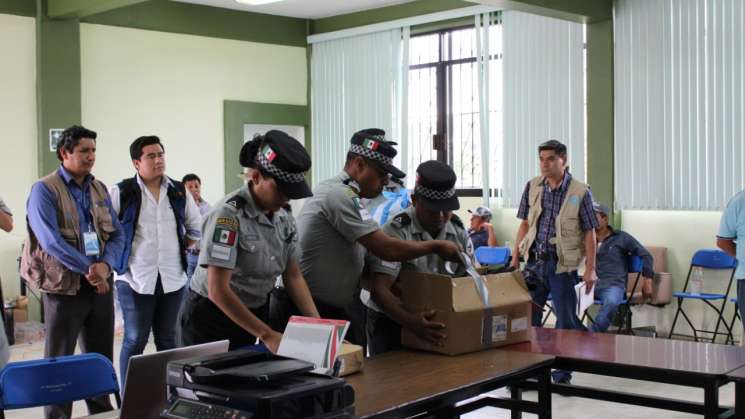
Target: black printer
x,y
245,384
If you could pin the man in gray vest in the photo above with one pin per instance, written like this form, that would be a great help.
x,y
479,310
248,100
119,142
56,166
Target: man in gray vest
x,y
557,231
335,229
74,241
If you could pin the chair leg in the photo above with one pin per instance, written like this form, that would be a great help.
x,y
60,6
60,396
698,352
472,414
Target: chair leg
x,y
690,323
735,316
720,319
675,319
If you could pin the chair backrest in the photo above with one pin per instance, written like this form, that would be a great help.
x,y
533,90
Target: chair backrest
x,y
493,255
56,380
713,259
635,263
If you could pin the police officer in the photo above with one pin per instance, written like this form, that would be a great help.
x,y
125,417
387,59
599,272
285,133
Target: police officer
x,y
249,239
431,217
335,229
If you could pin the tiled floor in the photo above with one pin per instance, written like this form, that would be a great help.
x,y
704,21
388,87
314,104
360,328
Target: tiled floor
x,y
563,407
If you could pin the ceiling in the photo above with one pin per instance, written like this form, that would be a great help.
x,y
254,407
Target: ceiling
x,y
305,9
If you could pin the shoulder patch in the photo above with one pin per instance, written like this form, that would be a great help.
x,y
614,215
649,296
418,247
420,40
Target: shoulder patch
x,y
401,220
236,202
227,222
457,221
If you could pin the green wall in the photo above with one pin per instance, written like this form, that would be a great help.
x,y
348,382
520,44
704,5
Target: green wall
x,y
236,114
57,81
18,7
193,19
600,110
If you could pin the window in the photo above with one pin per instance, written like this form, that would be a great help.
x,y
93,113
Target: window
x,y
444,103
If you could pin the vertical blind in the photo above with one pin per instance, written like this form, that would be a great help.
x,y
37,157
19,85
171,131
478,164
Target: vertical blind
x,y
355,84
543,82
679,103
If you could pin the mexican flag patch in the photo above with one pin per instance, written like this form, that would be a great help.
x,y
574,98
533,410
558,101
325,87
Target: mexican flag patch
x,y
371,144
224,236
268,153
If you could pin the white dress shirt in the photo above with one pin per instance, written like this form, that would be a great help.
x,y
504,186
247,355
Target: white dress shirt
x,y
155,247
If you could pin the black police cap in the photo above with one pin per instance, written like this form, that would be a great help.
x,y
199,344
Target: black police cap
x,y
435,185
283,158
371,144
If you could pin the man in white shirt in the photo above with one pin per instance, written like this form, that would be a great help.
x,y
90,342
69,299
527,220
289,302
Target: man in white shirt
x,y
160,221
193,184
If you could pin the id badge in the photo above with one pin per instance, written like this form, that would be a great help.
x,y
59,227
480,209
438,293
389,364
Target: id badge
x,y
91,243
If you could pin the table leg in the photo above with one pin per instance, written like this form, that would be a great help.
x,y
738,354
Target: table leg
x,y
544,394
516,393
739,399
711,400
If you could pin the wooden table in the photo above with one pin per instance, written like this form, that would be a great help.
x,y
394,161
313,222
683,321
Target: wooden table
x,y
694,364
407,383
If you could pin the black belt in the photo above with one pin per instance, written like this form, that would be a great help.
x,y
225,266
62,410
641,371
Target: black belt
x,y
544,256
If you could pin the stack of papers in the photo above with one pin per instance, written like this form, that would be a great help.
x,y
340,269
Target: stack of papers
x,y
584,300
313,340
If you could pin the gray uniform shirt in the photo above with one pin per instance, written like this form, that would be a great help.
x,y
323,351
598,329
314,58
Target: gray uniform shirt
x,y
330,224
405,226
237,235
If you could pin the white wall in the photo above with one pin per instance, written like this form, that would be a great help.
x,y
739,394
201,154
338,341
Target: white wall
x,y
137,82
18,121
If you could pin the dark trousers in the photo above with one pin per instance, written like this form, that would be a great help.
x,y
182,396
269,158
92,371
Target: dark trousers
x,y
383,334
202,321
563,298
87,319
144,312
281,308
355,313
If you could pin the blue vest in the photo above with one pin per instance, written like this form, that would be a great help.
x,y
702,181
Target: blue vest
x,y
130,202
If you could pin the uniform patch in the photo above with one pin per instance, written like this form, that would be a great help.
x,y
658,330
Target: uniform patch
x,y
401,220
221,252
236,202
230,223
224,236
574,200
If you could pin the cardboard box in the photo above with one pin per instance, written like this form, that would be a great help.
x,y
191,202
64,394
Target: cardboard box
x,y
351,358
469,325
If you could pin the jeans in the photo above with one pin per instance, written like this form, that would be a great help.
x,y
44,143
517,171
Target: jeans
x,y
563,297
192,259
611,298
741,299
143,312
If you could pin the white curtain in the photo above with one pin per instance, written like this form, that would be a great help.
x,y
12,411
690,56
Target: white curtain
x,y
543,82
356,83
679,103
483,58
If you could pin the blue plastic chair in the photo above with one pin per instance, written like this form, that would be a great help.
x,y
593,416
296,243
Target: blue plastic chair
x,y
707,259
491,256
635,265
59,380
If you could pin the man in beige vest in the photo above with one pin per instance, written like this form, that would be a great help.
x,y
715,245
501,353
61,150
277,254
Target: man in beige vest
x,y
74,240
556,233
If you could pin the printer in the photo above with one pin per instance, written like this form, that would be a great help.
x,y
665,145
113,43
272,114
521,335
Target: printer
x,y
246,384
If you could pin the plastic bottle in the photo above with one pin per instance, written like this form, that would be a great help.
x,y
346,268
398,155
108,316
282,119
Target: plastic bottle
x,y
696,285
